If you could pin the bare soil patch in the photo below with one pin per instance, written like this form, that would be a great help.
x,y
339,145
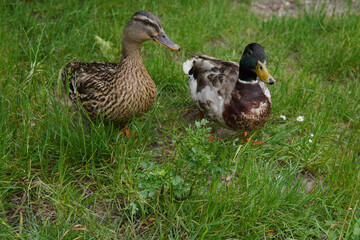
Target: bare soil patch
x,y
280,8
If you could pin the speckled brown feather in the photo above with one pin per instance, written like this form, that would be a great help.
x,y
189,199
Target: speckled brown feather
x,y
116,91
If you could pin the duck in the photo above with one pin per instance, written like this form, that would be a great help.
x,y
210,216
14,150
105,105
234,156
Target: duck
x,y
232,94
116,91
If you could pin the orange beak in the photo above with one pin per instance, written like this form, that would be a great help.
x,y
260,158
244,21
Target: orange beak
x,y
165,41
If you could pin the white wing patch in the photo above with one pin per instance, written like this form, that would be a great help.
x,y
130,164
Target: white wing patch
x,y
187,65
265,90
213,103
193,86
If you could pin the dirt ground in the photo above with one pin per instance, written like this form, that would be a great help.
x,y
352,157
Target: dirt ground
x,y
296,7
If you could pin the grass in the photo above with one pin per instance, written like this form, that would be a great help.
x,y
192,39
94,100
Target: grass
x,y
63,179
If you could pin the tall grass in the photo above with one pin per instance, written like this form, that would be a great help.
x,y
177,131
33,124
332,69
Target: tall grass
x,y
62,176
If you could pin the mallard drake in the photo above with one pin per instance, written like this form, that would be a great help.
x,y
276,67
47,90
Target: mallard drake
x,y
117,91
231,93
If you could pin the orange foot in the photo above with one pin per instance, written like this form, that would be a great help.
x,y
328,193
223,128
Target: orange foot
x,y
248,139
258,143
127,131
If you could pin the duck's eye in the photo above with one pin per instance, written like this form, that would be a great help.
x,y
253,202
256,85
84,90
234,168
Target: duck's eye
x,y
146,22
261,68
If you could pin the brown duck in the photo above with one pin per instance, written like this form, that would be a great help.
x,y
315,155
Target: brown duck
x,y
231,93
117,91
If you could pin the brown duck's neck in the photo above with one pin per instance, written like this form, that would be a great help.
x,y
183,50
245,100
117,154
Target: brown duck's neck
x,y
131,63
130,49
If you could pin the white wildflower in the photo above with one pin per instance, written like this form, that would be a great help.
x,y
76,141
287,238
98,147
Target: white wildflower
x,y
310,141
283,117
300,118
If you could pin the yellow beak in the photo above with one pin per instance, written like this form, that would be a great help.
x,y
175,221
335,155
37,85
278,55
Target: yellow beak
x,y
262,72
